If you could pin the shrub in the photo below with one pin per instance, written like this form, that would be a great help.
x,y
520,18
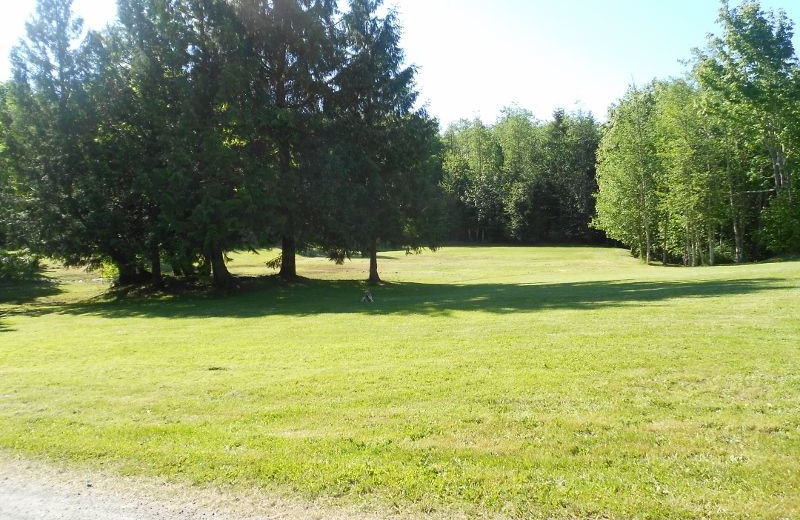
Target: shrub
x,y
19,265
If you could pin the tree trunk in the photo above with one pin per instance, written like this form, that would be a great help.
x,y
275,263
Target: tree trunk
x,y
710,246
787,175
128,273
666,232
158,279
222,277
698,249
738,237
687,255
288,243
640,249
288,262
776,174
374,279
738,232
181,267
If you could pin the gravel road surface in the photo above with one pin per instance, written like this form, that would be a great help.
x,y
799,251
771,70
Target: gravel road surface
x,y
31,490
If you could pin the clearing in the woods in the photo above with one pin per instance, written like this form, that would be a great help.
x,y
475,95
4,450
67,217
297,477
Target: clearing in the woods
x,y
532,382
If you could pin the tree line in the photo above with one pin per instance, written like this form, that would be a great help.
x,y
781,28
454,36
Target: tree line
x,y
522,179
704,168
190,128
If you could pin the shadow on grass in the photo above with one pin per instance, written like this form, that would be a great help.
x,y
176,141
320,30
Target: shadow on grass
x,y
22,293
343,297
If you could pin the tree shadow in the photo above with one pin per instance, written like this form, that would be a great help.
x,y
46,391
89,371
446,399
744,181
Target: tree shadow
x,y
23,293
314,297
20,293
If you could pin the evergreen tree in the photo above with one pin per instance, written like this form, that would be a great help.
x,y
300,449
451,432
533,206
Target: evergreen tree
x,y
78,205
389,151
294,43
8,197
190,78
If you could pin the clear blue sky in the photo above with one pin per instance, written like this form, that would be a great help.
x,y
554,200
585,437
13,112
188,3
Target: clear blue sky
x,y
477,56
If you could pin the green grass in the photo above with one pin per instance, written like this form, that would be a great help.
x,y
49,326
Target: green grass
x,y
534,382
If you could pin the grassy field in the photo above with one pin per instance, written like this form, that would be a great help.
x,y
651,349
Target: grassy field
x,y
529,382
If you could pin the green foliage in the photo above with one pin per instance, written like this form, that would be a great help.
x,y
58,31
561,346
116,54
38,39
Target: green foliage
x,y
522,179
109,271
19,265
293,49
191,128
9,200
387,151
474,177
781,225
692,166
628,172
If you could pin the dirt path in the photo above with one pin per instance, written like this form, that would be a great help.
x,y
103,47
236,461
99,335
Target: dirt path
x,y
34,491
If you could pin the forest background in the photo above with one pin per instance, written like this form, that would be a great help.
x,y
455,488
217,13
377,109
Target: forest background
x,y
190,129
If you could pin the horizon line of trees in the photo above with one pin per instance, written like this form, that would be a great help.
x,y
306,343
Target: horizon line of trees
x,y
522,179
704,169
192,128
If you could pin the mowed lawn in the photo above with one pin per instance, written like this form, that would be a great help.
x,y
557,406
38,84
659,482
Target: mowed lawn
x,y
528,382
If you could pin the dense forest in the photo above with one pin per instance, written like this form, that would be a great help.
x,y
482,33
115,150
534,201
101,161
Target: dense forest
x,y
192,128
522,179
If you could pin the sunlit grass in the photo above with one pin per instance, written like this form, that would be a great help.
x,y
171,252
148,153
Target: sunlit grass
x,y
536,382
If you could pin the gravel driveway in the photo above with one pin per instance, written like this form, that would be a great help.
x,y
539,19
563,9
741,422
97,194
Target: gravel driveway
x,y
34,491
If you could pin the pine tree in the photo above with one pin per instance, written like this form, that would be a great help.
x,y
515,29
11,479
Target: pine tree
x,y
294,45
388,150
82,209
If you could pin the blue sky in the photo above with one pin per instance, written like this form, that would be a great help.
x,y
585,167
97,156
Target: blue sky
x,y
477,56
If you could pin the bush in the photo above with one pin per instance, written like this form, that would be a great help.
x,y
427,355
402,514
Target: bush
x,y
19,265
724,253
109,271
